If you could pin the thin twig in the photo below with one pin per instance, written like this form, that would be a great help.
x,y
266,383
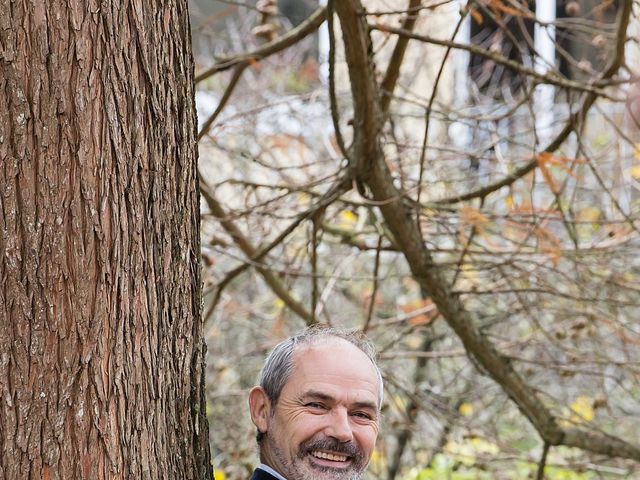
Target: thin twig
x,y
335,117
315,221
465,248
237,73
374,289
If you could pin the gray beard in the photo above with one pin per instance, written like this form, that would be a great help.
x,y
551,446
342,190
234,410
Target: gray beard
x,y
294,472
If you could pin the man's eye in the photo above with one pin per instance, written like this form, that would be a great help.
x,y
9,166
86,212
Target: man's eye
x,y
315,405
363,415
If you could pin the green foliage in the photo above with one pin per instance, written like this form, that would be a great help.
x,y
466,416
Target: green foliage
x,y
475,458
450,467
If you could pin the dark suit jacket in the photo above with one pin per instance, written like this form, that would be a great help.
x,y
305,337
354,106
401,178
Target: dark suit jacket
x,y
259,474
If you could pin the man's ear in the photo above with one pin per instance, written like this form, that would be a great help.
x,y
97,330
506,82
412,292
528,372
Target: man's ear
x,y
260,408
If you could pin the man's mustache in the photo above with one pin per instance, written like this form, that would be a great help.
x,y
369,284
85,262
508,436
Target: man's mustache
x,y
329,444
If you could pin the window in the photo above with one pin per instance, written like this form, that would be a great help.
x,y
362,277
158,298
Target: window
x,y
581,33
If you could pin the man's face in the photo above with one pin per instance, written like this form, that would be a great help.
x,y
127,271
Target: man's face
x,y
325,423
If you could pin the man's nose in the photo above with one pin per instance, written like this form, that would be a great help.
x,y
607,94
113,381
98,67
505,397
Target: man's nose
x,y
339,426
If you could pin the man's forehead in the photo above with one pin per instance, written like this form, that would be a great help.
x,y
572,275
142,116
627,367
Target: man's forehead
x,y
330,350
334,357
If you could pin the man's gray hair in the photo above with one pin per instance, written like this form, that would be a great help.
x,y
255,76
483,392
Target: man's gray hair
x,y
279,364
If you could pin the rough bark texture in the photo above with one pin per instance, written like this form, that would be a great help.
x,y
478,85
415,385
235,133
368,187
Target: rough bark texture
x,y
101,346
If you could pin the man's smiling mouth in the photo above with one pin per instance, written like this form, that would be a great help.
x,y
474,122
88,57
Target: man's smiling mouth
x,y
334,457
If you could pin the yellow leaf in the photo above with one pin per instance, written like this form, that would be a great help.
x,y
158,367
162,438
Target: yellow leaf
x,y
304,199
466,409
400,402
509,201
377,461
470,272
636,152
375,456
483,446
218,475
589,221
582,409
635,170
413,341
589,214
348,218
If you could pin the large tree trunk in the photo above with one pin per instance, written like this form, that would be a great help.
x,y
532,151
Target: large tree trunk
x,y
101,344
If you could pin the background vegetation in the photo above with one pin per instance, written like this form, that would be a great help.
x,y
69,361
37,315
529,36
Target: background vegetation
x,y
467,200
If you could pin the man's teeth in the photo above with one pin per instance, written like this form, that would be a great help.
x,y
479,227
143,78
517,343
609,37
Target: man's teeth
x,y
329,456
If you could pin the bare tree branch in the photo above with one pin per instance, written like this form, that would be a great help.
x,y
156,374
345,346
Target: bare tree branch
x,y
365,92
335,118
552,78
290,38
250,251
342,185
371,168
543,462
392,74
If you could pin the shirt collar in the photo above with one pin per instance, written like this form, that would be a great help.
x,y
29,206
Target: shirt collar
x,y
271,471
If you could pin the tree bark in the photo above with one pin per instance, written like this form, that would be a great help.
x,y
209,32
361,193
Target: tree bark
x,y
101,342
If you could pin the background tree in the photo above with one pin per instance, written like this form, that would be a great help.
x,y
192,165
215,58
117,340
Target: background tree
x,y
101,344
463,187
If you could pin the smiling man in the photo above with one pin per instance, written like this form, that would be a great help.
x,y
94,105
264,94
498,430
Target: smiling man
x,y
317,407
